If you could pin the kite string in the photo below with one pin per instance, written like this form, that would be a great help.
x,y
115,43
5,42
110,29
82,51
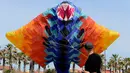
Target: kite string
x,y
62,44
65,45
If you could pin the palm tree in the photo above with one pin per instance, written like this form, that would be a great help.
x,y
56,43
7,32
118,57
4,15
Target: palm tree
x,y
19,59
127,63
10,47
109,65
3,56
7,55
103,61
0,56
25,61
32,66
120,63
114,58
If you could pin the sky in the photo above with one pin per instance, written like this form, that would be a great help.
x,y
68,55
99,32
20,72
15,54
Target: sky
x,y
113,14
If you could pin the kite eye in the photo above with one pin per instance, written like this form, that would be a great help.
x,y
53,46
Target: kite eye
x,y
65,11
88,46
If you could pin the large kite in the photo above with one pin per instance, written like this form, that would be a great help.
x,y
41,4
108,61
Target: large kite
x,y
57,34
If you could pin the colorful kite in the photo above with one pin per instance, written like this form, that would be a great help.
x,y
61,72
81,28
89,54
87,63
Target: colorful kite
x,y
57,34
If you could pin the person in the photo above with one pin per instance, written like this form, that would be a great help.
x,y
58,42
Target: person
x,y
94,61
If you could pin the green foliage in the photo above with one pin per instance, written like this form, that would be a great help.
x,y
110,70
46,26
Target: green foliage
x,y
50,71
9,71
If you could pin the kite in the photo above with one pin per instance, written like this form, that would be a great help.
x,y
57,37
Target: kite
x,y
57,35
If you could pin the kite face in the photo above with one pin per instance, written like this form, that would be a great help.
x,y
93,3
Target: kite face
x,y
56,36
65,11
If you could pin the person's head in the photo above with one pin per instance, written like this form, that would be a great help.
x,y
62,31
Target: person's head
x,y
88,46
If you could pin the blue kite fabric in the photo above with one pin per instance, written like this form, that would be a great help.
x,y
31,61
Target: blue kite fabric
x,y
63,44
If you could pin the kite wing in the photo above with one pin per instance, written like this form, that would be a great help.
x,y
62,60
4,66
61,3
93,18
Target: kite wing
x,y
98,35
29,39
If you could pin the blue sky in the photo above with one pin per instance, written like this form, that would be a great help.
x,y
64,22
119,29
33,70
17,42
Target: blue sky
x,y
113,14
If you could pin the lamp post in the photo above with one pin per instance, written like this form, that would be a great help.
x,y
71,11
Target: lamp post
x,y
105,60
